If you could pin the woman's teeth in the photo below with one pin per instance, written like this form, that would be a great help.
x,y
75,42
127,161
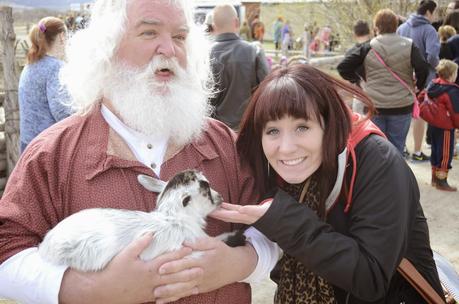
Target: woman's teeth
x,y
293,162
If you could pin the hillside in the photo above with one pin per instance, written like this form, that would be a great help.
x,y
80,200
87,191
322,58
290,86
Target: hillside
x,y
48,4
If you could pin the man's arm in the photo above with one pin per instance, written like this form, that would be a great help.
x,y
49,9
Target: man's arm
x,y
421,68
261,65
238,263
27,278
348,67
127,279
432,48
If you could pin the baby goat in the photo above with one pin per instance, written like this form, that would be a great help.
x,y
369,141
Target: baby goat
x,y
89,239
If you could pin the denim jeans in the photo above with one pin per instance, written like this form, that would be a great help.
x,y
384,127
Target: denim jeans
x,y
395,127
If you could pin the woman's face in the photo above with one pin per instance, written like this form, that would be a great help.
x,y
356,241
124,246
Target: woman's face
x,y
293,147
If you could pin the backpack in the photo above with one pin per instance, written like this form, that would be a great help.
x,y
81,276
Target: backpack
x,y
434,113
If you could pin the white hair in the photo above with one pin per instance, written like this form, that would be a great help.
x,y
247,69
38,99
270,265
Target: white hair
x,y
91,50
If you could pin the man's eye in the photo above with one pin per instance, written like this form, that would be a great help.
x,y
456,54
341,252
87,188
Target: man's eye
x,y
180,37
148,33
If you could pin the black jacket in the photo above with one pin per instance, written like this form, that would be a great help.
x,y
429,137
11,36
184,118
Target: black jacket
x,y
351,67
359,251
238,67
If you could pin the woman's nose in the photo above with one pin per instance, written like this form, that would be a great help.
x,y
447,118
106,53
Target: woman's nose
x,y
287,144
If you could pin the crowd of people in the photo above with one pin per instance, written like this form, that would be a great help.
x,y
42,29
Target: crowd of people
x,y
323,184
384,66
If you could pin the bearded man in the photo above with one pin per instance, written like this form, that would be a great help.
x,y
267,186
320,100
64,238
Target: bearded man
x,y
136,75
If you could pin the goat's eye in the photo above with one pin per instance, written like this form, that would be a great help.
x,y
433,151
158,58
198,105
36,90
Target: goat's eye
x,y
186,200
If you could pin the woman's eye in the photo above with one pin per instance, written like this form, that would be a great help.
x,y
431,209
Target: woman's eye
x,y
272,132
303,128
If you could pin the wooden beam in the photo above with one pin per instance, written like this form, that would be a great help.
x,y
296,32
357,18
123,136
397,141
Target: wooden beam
x,y
10,74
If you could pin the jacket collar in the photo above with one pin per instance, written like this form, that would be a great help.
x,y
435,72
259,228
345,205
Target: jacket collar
x,y
226,37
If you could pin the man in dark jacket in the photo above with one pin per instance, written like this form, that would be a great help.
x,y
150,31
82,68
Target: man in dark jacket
x,y
237,66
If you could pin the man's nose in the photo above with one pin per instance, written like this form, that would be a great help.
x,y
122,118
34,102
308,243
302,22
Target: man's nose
x,y
166,47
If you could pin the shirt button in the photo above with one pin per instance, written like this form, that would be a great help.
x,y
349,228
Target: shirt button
x,y
153,165
149,146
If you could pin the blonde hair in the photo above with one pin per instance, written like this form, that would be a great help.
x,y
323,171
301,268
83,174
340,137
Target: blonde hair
x,y
445,32
446,68
43,35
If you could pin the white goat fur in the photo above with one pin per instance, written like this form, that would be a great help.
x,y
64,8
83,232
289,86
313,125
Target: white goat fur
x,y
89,239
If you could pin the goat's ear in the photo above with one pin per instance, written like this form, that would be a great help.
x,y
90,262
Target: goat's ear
x,y
151,184
186,200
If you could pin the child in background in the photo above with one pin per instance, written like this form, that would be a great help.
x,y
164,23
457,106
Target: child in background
x,y
444,33
443,90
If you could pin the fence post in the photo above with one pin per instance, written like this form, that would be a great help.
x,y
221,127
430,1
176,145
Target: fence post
x,y
10,74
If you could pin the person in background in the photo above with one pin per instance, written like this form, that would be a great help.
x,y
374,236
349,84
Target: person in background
x,y
277,32
418,27
286,36
452,19
443,90
43,101
237,65
244,32
209,29
382,57
306,40
259,31
332,207
362,35
453,5
444,33
141,87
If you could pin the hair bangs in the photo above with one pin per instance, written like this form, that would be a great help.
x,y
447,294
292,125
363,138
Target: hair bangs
x,y
284,97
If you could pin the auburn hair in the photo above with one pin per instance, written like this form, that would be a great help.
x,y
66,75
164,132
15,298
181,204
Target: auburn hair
x,y
386,21
299,91
43,35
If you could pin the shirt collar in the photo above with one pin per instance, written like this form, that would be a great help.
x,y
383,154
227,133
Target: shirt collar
x,y
101,154
149,150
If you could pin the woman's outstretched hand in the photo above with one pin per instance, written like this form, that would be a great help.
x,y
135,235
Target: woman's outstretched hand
x,y
247,214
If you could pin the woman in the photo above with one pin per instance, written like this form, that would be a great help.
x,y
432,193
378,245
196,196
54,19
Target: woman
x,y
376,62
42,100
345,238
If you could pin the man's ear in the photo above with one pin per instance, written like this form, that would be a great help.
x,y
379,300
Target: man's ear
x,y
186,200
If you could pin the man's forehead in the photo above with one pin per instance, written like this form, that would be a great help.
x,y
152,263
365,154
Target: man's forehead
x,y
163,11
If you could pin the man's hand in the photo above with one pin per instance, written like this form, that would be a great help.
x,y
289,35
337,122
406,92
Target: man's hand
x,y
222,265
128,279
247,214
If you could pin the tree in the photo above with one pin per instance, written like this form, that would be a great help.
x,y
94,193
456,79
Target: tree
x,y
344,13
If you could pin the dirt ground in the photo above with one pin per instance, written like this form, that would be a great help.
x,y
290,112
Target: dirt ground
x,y
440,208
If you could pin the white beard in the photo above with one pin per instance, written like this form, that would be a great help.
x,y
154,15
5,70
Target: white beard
x,y
176,109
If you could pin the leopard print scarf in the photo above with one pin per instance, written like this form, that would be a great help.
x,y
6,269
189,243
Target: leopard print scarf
x,y
298,285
